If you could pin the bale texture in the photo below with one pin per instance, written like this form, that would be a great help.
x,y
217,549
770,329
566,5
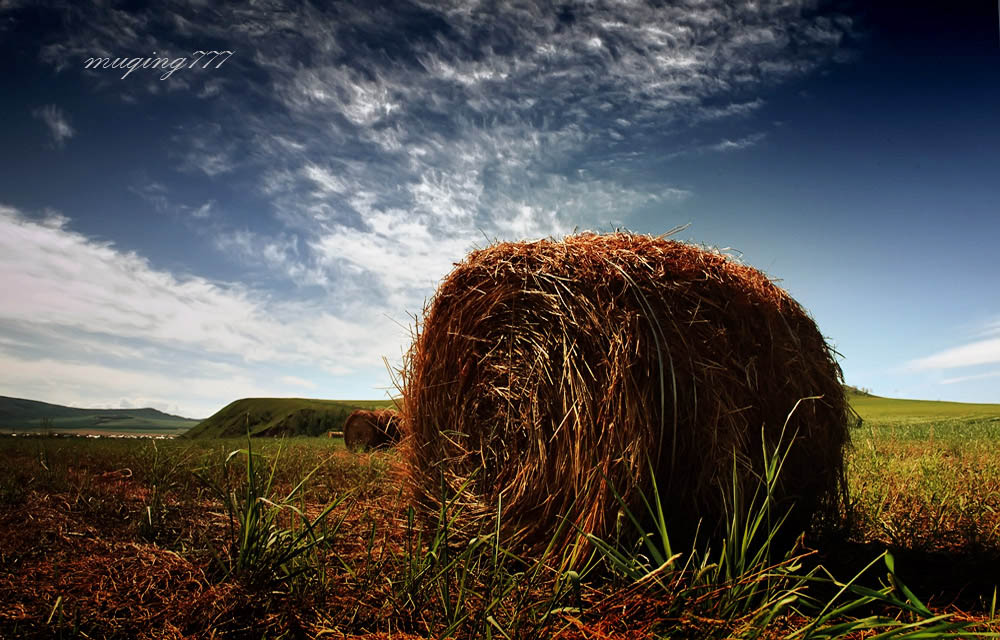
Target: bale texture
x,y
366,430
547,376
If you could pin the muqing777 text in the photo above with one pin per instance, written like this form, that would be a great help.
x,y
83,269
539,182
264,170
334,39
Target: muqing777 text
x,y
167,64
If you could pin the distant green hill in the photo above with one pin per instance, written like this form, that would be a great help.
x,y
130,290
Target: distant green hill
x,y
871,407
281,417
21,415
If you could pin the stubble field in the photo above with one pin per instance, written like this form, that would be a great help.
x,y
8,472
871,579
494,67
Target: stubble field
x,y
294,538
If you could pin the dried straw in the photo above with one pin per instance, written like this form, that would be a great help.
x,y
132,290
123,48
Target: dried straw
x,y
547,376
366,430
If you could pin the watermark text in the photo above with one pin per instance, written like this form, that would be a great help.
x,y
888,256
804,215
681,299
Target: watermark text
x,y
165,64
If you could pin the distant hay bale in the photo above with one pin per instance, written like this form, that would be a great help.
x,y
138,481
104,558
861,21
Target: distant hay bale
x,y
549,375
366,430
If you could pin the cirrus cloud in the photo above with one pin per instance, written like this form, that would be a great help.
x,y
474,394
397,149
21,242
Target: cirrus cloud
x,y
374,145
57,122
968,355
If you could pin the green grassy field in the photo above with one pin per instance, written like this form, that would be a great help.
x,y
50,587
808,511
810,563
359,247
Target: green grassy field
x,y
881,410
926,475
194,538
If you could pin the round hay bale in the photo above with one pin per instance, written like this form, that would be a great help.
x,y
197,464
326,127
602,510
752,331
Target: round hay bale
x,y
547,376
366,430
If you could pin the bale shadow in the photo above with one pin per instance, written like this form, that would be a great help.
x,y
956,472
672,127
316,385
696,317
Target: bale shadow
x,y
963,578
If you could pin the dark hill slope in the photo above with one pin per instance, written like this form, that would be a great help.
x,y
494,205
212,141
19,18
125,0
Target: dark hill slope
x,y
281,417
20,414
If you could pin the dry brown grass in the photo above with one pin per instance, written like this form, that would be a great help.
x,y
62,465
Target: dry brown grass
x,y
548,375
75,560
68,566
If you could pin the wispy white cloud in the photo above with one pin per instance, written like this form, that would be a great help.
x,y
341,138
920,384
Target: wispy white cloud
x,y
403,254
739,144
162,200
57,123
155,193
211,163
731,109
279,254
203,150
416,163
86,384
977,376
295,381
503,91
204,210
991,328
67,285
974,353
983,348
324,179
383,159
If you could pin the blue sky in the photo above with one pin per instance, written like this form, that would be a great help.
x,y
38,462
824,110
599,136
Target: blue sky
x,y
272,224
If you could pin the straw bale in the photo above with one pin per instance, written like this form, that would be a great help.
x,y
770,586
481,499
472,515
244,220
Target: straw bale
x,y
547,376
366,430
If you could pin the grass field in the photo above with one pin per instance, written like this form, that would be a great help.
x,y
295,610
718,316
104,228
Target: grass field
x,y
883,410
171,539
925,480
